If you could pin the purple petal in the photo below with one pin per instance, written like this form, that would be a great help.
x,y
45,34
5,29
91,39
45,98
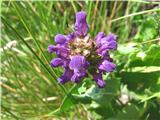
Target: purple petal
x,y
75,78
66,62
77,62
52,48
108,46
104,54
98,78
98,38
60,39
107,66
101,83
112,45
62,52
108,42
66,76
56,62
80,72
81,16
101,53
81,26
110,37
78,75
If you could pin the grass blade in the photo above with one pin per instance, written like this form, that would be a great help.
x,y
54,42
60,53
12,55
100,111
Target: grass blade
x,y
62,87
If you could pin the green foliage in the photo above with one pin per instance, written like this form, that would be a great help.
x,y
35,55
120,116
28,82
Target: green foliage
x,y
29,85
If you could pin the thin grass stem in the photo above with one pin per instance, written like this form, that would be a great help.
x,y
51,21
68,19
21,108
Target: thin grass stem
x,y
134,14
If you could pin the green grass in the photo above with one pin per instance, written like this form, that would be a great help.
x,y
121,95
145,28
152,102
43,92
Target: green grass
x,y
27,80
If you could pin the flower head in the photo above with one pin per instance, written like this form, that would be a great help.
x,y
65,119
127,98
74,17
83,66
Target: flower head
x,y
81,55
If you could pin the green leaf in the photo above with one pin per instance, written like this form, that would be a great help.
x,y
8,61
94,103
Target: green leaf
x,y
151,57
147,30
101,95
127,48
129,112
138,81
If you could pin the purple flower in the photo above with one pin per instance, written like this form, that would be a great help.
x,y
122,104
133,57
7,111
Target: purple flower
x,y
80,55
98,38
61,51
56,62
77,62
98,78
60,39
66,76
105,43
78,65
81,26
52,48
107,66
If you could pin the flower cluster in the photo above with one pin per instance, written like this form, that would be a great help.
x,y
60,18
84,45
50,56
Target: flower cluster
x,y
80,55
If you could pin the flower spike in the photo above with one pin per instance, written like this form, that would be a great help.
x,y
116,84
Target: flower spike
x,y
80,55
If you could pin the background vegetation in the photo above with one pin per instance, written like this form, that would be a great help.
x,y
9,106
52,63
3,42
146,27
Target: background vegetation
x,y
29,85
